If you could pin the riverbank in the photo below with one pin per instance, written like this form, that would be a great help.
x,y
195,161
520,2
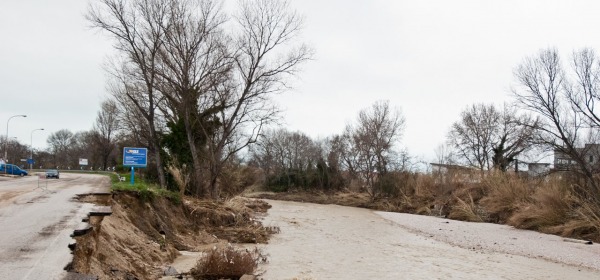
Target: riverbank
x,y
334,242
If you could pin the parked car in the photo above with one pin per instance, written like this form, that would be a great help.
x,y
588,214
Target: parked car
x,y
52,173
12,169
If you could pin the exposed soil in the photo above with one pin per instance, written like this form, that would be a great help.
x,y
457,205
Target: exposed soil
x,y
142,238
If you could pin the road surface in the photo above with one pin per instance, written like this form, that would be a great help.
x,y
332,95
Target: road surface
x,y
36,224
336,242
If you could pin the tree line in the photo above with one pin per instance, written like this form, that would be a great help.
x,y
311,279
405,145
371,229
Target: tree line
x,y
367,151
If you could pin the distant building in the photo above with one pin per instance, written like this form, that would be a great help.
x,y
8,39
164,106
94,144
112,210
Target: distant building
x,y
538,169
590,153
444,173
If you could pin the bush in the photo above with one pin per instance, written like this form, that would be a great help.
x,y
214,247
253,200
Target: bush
x,y
505,194
466,211
227,263
235,179
550,206
583,220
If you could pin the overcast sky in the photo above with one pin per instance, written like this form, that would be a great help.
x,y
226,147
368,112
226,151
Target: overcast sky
x,y
429,58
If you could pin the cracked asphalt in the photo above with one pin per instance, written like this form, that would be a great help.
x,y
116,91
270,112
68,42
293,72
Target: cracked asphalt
x,y
36,223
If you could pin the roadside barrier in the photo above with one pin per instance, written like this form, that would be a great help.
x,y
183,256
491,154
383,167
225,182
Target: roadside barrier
x,y
42,182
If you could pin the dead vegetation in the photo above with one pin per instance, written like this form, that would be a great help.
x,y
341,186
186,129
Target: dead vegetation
x,y
227,263
142,237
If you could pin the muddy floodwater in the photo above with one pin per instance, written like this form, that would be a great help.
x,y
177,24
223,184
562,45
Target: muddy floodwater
x,y
336,242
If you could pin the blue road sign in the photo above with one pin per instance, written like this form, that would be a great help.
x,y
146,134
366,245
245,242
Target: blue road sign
x,y
135,157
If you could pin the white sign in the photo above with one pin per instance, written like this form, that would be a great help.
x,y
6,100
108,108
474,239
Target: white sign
x,y
83,161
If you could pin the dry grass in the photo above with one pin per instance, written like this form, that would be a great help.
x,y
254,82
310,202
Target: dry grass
x,y
466,211
505,194
583,221
227,263
589,213
235,179
181,177
550,205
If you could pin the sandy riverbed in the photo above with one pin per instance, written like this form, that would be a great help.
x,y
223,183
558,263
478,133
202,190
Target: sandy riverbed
x,y
336,242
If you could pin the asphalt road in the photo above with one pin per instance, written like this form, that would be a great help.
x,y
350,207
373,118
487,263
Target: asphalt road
x,y
36,224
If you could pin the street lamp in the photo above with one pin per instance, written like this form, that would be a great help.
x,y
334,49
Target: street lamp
x,y
6,143
31,147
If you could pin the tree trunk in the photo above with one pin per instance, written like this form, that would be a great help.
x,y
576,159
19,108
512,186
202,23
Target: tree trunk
x,y
159,165
197,169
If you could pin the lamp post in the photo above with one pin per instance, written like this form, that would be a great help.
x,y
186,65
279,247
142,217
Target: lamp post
x,y
6,143
31,148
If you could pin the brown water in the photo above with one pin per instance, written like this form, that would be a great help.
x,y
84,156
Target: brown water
x,y
336,242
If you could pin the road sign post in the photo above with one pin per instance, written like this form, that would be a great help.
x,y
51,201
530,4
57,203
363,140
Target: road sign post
x,y
135,157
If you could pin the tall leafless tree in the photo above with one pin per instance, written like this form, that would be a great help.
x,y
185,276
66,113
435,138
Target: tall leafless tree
x,y
584,92
105,130
373,138
514,135
59,143
264,57
195,60
486,137
472,136
443,154
135,26
565,101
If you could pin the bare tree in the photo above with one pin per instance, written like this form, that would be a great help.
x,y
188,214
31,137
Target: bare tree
x,y
195,62
264,58
85,144
136,28
342,152
486,137
59,144
584,92
105,130
373,138
472,136
565,104
281,150
443,154
514,135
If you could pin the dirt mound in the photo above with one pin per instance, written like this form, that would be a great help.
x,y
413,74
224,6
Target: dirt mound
x,y
142,237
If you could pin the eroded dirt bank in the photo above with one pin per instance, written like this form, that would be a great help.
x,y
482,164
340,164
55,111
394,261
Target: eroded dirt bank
x,y
142,236
336,242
